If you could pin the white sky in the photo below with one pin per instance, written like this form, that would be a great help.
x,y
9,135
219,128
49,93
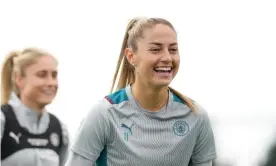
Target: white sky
x,y
227,48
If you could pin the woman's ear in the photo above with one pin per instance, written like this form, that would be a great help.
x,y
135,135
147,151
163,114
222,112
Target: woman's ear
x,y
19,81
130,56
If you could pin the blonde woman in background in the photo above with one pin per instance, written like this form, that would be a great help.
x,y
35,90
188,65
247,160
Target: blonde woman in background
x,y
144,122
30,136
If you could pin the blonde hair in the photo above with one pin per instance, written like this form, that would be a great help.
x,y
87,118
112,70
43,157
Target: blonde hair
x,y
124,69
16,63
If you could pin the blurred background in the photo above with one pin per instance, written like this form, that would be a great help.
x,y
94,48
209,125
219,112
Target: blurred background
x,y
227,48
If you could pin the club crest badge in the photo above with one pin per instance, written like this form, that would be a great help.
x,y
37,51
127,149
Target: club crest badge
x,y
54,139
180,128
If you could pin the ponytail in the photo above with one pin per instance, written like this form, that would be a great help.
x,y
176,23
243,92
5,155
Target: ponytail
x,y
127,74
7,83
190,103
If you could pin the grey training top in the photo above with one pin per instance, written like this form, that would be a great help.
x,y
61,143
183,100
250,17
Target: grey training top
x,y
33,157
119,132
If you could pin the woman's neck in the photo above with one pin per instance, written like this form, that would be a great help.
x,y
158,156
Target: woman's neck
x,y
39,109
150,98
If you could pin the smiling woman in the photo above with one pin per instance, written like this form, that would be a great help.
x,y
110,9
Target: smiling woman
x,y
29,83
145,122
31,74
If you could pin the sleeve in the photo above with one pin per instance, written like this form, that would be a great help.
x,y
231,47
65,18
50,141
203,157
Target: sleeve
x,y
3,121
205,149
208,163
91,137
75,159
65,144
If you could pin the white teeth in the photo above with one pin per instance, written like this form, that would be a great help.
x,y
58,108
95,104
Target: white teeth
x,y
48,92
163,68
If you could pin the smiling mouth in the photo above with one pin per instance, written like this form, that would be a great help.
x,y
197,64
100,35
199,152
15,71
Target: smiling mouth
x,y
49,92
163,69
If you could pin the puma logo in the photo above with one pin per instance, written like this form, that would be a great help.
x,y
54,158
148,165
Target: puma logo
x,y
126,127
15,137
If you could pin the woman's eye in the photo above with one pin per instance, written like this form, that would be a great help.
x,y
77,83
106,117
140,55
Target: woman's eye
x,y
155,49
174,50
42,74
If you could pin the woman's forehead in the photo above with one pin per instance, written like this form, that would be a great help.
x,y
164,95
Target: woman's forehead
x,y
159,34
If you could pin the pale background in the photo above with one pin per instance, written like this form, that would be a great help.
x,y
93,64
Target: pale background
x,y
228,51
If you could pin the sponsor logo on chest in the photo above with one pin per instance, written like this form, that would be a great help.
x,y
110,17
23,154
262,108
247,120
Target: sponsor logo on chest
x,y
38,141
53,139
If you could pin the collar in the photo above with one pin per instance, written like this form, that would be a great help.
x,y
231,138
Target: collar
x,y
22,111
133,100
